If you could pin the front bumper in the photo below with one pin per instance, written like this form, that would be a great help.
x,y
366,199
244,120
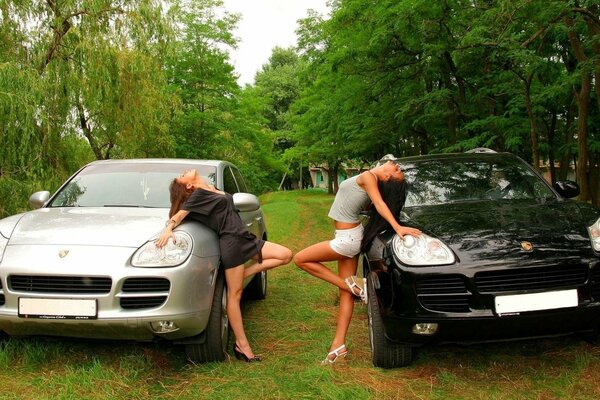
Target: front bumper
x,y
463,306
130,301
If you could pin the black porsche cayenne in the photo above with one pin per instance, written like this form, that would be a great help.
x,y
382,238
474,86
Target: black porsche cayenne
x,y
503,255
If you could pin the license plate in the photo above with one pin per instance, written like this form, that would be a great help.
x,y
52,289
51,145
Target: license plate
x,y
58,308
536,301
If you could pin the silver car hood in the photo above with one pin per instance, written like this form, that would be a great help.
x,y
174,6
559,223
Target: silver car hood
x,y
108,226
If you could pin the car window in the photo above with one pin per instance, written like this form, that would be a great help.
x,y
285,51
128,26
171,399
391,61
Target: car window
x,y
444,181
125,185
241,183
229,184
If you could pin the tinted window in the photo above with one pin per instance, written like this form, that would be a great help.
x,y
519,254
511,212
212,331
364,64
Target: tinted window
x,y
229,182
126,184
450,181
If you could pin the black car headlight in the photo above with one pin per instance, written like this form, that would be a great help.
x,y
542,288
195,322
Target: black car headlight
x,y
594,231
422,250
171,255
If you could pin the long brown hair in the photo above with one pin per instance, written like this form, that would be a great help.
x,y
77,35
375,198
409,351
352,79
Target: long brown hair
x,y
179,194
393,193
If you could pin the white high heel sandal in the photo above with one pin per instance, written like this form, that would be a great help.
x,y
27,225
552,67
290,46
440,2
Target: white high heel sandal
x,y
355,282
337,353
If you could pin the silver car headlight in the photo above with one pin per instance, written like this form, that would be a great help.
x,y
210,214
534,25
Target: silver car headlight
x,y
171,255
421,250
594,231
3,243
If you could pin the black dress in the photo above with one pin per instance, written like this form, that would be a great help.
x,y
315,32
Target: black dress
x,y
217,212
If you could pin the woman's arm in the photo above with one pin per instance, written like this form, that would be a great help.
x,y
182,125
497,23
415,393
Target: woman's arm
x,y
168,231
368,182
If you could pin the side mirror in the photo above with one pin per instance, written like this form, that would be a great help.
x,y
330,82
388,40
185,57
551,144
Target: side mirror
x,y
38,199
567,189
246,202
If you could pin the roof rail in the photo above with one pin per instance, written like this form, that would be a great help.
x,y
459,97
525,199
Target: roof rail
x,y
480,150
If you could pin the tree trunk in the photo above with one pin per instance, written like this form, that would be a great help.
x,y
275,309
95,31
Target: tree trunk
x,y
583,99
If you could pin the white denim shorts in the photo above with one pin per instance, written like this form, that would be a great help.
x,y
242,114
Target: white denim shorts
x,y
347,241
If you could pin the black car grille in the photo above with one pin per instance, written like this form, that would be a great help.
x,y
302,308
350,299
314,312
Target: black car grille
x,y
137,303
145,286
1,295
445,293
531,278
60,284
136,285
596,283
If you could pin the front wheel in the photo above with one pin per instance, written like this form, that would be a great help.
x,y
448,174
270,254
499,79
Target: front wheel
x,y
217,330
385,353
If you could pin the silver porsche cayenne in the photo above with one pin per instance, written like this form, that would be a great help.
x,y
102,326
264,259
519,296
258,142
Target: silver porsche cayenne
x,y
84,264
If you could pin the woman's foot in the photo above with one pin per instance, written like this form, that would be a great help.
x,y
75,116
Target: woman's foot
x,y
358,287
240,355
334,355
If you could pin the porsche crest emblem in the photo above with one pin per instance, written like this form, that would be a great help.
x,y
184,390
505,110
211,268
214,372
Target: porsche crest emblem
x,y
527,246
63,253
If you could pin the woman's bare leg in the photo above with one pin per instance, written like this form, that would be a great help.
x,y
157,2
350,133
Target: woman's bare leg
x,y
311,260
273,255
346,267
235,280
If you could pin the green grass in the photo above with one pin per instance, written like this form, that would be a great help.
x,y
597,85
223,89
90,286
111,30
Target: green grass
x,y
292,329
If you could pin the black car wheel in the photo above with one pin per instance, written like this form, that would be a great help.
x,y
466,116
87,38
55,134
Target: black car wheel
x,y
217,330
386,354
257,288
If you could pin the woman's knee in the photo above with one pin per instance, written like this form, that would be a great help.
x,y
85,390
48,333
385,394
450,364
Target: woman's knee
x,y
287,256
234,293
300,260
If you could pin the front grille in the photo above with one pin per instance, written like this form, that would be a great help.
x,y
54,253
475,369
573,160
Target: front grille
x,y
1,295
596,283
531,278
136,285
136,303
447,303
441,284
146,286
444,293
60,284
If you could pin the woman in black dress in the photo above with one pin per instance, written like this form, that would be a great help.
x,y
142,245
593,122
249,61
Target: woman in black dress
x,y
194,198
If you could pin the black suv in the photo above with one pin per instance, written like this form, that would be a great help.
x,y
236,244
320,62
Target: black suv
x,y
503,255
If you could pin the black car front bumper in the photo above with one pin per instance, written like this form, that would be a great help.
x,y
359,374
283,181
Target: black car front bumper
x,y
462,305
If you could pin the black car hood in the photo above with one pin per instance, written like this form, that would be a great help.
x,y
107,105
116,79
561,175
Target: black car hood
x,y
489,231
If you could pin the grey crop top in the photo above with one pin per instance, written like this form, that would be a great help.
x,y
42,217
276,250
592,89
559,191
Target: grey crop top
x,y
349,201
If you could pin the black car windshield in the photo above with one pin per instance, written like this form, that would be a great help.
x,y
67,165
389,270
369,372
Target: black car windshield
x,y
442,181
125,185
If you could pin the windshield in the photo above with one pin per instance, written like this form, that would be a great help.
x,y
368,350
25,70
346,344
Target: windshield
x,y
125,185
444,181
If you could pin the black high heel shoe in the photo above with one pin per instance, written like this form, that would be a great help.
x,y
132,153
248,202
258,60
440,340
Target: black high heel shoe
x,y
241,356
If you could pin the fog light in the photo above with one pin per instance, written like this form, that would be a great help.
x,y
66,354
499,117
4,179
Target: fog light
x,y
425,329
164,326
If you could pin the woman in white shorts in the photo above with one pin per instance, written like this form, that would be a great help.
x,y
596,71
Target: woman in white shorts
x,y
354,195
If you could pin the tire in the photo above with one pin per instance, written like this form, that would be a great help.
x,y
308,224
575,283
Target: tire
x,y
257,288
217,330
386,354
